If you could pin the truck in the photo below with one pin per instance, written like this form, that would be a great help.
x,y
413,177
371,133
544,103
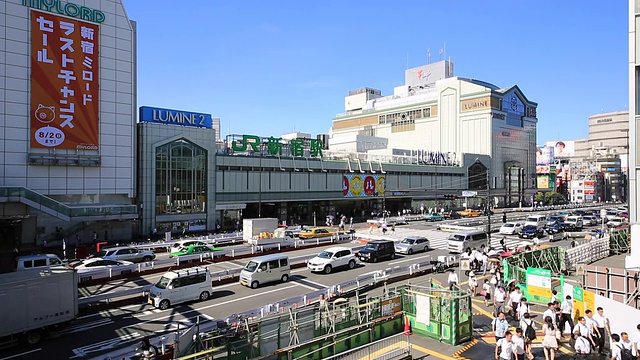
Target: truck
x,y
253,227
36,303
286,237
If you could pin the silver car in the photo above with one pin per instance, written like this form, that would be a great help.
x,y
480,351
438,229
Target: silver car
x,y
128,254
412,244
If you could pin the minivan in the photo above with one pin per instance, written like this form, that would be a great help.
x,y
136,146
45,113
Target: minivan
x,y
377,250
538,220
574,222
37,262
458,242
179,286
265,269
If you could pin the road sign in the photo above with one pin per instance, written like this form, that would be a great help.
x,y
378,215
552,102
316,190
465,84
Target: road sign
x,y
603,213
467,193
581,269
465,265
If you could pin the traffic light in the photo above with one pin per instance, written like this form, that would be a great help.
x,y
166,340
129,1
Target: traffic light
x,y
450,196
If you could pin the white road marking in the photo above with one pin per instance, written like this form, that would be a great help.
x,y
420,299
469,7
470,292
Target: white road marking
x,y
21,354
87,326
409,259
103,345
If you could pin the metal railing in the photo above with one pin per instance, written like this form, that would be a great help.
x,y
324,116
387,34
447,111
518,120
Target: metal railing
x,y
387,348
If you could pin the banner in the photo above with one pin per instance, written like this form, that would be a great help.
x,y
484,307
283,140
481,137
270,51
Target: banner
x,y
589,300
539,284
363,185
543,181
423,309
64,83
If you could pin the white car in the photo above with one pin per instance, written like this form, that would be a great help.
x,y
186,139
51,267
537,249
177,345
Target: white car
x,y
127,253
589,220
100,268
412,244
616,221
331,258
511,228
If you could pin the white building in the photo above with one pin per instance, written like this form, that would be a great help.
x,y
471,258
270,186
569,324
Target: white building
x,y
68,145
633,260
437,116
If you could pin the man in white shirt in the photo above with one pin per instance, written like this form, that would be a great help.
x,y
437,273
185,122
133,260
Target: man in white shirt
x,y
485,263
522,309
582,346
583,329
602,324
550,312
518,342
554,296
453,279
566,310
514,299
499,296
626,342
616,348
636,342
505,349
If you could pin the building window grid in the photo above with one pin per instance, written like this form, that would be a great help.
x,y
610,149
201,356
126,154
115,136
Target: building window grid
x,y
405,117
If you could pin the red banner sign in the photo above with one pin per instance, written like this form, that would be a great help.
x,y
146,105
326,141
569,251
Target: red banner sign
x,y
64,83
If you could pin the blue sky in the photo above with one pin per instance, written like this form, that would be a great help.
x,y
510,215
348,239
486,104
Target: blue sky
x,y
267,68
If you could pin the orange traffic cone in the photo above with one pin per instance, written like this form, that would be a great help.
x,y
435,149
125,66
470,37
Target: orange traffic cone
x,y
407,326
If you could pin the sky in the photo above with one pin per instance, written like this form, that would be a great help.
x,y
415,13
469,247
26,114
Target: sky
x,y
272,67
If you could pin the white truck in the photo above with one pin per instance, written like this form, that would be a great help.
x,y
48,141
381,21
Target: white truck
x,y
253,227
286,237
35,303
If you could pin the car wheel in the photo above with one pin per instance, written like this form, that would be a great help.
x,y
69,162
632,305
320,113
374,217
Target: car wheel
x,y
164,305
33,337
327,269
284,278
254,285
393,255
352,264
147,259
204,296
426,248
374,259
410,251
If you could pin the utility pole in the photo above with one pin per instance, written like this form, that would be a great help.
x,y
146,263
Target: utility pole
x,y
260,186
488,209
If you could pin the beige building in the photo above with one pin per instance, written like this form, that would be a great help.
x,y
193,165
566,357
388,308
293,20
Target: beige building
x,y
607,132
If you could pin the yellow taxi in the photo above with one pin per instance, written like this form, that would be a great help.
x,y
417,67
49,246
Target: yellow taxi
x,y
315,233
470,213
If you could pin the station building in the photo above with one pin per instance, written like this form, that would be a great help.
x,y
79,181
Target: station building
x,y
436,115
68,144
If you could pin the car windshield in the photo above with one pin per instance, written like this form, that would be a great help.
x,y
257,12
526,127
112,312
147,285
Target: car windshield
x,y
75,264
163,282
612,213
553,218
408,241
530,227
508,225
456,237
251,266
532,219
325,255
371,247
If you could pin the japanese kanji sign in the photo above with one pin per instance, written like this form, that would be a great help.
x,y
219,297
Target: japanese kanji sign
x,y
64,83
297,147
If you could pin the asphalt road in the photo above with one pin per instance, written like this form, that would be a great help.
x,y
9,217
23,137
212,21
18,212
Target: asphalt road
x,y
95,334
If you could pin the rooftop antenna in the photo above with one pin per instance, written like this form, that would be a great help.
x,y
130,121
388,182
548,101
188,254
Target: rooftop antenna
x,y
429,56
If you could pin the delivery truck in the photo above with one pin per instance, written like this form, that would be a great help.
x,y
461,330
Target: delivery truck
x,y
286,237
253,227
36,303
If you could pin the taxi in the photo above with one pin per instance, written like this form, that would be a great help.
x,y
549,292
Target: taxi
x,y
470,213
315,233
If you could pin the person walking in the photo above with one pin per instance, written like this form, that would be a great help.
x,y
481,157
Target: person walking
x,y
519,343
550,312
473,283
627,346
593,328
549,342
499,296
584,330
602,325
486,289
566,314
453,279
529,328
635,339
582,346
618,351
514,298
499,325
505,348
523,308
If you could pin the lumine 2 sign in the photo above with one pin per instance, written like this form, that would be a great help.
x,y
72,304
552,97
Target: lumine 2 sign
x,y
68,9
274,145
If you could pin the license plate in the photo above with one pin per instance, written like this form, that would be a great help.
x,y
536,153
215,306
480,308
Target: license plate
x,y
150,302
244,283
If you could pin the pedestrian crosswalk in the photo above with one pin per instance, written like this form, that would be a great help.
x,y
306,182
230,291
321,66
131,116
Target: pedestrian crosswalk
x,y
438,238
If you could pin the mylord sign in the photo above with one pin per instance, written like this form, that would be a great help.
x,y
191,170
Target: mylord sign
x,y
175,117
67,9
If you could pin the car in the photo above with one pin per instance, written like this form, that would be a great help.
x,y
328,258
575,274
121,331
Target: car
x,y
578,212
451,215
377,250
180,244
127,253
574,222
433,217
616,221
412,244
558,227
196,249
110,267
470,213
332,258
530,232
589,220
315,233
511,228
563,216
612,214
552,220
623,214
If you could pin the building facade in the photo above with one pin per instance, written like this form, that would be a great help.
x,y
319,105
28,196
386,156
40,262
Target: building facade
x,y
633,260
436,115
68,144
607,132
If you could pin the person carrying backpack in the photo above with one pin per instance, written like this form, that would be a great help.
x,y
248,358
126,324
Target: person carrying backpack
x,y
529,327
618,351
582,346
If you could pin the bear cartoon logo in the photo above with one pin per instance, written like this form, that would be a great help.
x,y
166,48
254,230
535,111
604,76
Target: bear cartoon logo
x,y
45,114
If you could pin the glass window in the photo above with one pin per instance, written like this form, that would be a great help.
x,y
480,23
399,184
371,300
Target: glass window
x,y
181,178
274,264
283,262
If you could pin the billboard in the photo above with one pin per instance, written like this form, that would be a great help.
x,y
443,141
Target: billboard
x,y
175,117
363,185
543,182
543,169
544,155
562,148
64,83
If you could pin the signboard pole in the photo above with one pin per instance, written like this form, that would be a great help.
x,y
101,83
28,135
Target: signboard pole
x,y
488,209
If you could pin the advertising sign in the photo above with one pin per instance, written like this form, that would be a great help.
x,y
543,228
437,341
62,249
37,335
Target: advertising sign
x,y
543,182
363,185
544,155
543,169
589,300
578,302
175,117
563,148
64,83
539,284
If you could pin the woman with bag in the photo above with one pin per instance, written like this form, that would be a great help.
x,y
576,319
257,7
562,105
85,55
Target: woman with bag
x,y
529,328
486,289
549,342
473,283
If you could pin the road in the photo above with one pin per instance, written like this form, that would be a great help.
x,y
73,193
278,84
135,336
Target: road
x,y
98,333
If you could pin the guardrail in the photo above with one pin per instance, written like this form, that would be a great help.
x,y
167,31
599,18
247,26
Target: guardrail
x,y
230,253
588,252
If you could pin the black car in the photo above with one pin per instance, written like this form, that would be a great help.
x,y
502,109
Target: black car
x,y
377,250
530,232
451,215
558,227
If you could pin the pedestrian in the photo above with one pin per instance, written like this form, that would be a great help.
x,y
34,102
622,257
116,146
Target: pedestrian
x,y
95,237
593,328
485,262
566,314
505,348
618,352
583,330
554,296
523,308
602,324
384,227
499,325
519,343
549,342
393,228
148,351
582,346
453,279
529,328
550,312
635,339
504,217
473,283
627,345
514,298
486,289
499,296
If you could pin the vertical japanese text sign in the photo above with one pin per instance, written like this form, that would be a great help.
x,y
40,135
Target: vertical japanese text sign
x,y
64,83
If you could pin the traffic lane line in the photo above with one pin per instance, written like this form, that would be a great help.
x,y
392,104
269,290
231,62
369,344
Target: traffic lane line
x,y
430,352
21,354
410,259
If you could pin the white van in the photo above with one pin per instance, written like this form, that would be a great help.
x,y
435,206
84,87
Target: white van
x,y
265,269
458,242
179,286
538,220
37,262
